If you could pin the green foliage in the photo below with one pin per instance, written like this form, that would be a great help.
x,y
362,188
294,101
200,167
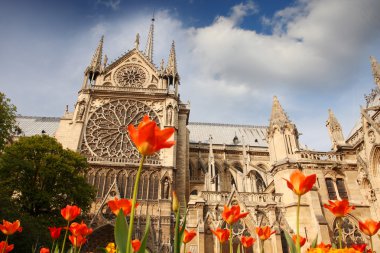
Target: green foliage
x,y
145,238
290,242
314,243
37,179
121,232
7,120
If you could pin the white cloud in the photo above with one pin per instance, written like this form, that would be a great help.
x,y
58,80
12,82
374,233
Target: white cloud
x,y
113,4
315,59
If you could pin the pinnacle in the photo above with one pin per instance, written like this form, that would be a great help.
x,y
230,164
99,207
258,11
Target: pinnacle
x,y
278,116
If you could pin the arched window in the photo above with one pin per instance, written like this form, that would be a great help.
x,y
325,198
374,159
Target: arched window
x,y
260,184
122,183
350,233
341,188
331,188
131,180
96,182
108,182
153,186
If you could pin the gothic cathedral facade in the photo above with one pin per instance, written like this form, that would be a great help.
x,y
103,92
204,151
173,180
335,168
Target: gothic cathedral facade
x,y
213,165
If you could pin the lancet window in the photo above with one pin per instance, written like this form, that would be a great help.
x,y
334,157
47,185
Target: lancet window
x,y
336,188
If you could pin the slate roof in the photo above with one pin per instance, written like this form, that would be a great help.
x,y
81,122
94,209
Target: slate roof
x,y
225,133
31,125
199,132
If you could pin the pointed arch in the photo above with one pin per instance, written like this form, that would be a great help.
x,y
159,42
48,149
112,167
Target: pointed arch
x,y
101,236
351,233
375,160
122,183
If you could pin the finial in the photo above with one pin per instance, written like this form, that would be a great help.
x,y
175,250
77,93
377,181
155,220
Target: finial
x,y
137,41
172,63
149,44
67,108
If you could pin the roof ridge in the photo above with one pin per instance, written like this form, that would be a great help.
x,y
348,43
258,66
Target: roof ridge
x,y
36,117
226,124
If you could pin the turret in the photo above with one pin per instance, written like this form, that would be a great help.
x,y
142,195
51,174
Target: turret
x,y
171,73
335,131
282,134
95,67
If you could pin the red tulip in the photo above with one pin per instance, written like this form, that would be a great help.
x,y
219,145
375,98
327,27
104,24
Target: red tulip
x,y
124,204
359,247
5,247
302,240
188,235
77,241
149,138
69,213
222,234
369,227
44,250
80,229
55,232
247,241
232,215
339,208
299,183
264,232
9,228
136,244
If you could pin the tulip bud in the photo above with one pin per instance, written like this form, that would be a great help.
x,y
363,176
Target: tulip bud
x,y
175,203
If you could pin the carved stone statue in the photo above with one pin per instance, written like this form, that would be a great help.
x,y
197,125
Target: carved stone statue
x,y
166,188
81,111
169,116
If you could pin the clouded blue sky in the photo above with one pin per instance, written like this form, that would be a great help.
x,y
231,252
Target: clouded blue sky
x,y
233,56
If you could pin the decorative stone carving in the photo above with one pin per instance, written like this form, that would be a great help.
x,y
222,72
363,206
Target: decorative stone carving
x,y
131,75
105,134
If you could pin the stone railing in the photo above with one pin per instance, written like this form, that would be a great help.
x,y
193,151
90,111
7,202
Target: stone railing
x,y
320,156
130,89
118,160
247,197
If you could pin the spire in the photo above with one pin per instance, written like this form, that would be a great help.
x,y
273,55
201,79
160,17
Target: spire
x,y
335,130
149,44
137,41
278,116
96,62
375,70
171,69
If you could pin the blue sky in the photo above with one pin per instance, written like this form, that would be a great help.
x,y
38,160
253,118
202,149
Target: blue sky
x,y
233,56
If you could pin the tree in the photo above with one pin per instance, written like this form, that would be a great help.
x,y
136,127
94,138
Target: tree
x,y
40,177
7,120
37,178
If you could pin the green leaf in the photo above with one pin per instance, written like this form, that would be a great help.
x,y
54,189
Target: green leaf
x,y
314,243
121,231
333,246
177,242
56,250
238,248
290,242
183,227
146,234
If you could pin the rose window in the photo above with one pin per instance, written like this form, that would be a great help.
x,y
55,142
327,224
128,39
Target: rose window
x,y
131,76
350,233
105,134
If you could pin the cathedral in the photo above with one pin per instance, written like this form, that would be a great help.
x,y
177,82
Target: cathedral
x,y
211,165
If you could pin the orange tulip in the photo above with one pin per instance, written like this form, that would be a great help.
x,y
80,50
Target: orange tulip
x,y
299,183
264,232
232,215
77,241
222,234
188,235
9,228
136,244
124,204
359,247
302,240
55,232
339,208
324,246
69,213
80,229
149,138
369,227
5,247
44,250
247,241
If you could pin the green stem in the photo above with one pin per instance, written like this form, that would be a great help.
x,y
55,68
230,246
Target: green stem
x,y
220,247
64,239
177,245
298,225
370,239
6,241
184,248
261,246
132,217
340,232
231,248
